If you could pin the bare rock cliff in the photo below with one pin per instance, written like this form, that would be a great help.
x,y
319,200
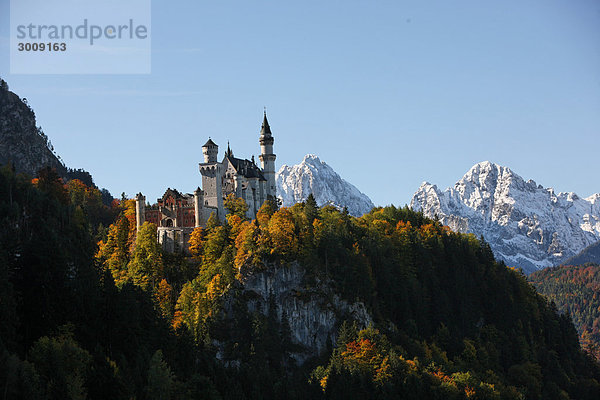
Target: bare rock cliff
x,y
313,313
21,142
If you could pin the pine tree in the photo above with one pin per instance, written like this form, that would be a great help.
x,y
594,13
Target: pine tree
x,y
311,209
160,378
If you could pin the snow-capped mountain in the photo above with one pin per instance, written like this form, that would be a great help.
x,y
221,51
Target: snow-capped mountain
x,y
312,175
526,225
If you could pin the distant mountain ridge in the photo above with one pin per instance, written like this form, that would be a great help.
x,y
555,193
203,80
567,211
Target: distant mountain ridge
x,y
526,225
312,175
590,254
22,143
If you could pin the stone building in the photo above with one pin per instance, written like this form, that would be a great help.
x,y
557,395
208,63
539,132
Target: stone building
x,y
177,214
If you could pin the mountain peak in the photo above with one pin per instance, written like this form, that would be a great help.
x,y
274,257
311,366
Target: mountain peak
x,y
311,158
488,167
488,170
526,224
313,175
485,165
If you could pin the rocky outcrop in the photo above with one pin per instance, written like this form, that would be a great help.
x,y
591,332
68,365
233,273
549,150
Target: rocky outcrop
x,y
313,313
22,143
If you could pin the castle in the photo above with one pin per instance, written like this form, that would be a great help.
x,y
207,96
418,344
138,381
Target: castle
x,y
177,214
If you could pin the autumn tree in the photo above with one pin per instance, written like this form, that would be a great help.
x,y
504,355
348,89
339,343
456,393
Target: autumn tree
x,y
197,241
146,267
246,245
164,298
113,253
188,311
264,213
215,244
282,233
236,206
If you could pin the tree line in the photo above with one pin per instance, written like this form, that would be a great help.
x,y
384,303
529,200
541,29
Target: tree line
x,y
92,308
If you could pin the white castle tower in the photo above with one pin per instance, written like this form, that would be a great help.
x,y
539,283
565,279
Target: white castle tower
x,y
267,157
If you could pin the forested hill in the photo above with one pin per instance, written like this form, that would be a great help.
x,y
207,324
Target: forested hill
x,y
576,291
590,254
101,313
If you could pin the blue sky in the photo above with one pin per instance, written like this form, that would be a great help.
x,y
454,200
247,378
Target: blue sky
x,y
389,93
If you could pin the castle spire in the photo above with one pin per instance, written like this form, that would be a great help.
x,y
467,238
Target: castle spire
x,y
265,129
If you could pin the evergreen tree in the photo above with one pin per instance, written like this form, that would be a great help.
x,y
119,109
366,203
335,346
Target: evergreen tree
x,y
311,209
160,378
62,366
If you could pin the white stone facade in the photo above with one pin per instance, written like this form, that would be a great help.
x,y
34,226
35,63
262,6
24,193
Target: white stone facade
x,y
176,214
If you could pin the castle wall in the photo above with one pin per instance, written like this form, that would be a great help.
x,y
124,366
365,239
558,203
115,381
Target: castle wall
x,y
174,240
205,214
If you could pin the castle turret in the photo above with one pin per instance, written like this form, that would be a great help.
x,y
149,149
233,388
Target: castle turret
x,y
210,151
198,202
212,176
140,210
267,158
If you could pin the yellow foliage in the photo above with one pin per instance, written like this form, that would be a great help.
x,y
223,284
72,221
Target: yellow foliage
x,y
412,365
383,371
236,224
264,214
216,287
428,231
281,230
382,226
164,297
197,241
469,392
323,382
447,380
177,321
245,242
236,206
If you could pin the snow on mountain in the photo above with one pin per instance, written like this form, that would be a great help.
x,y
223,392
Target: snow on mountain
x,y
312,175
526,225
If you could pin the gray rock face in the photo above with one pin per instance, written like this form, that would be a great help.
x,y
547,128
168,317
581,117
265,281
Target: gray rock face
x,y
312,175
526,225
313,314
21,142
